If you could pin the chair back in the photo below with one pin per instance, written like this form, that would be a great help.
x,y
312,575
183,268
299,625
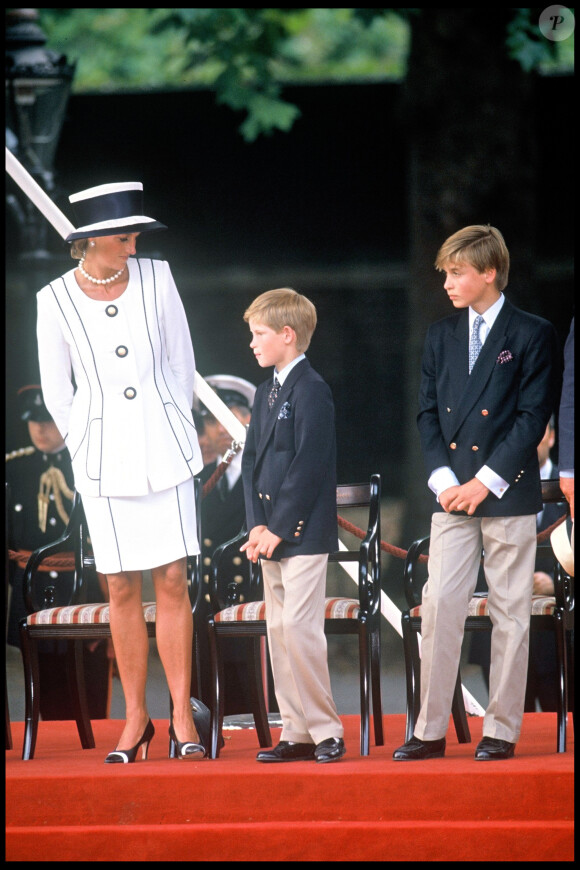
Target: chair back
x,y
232,592
366,553
74,544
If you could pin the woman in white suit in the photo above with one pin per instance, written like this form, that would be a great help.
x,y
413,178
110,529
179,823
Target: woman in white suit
x,y
117,370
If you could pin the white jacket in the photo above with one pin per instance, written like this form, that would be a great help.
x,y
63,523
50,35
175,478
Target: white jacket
x,y
117,378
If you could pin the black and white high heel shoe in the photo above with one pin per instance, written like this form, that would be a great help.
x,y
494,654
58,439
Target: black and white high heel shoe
x,y
187,749
128,756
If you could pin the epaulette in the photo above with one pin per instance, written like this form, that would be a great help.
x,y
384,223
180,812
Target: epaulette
x,y
22,451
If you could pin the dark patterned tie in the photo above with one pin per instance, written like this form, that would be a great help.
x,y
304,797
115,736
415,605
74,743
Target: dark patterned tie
x,y
475,341
273,394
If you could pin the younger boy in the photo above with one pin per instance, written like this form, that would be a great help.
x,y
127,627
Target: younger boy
x,y
289,476
487,390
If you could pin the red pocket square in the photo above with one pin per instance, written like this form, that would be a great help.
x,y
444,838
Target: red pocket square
x,y
505,356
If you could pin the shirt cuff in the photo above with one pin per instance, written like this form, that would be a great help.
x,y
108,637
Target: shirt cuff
x,y
441,479
493,481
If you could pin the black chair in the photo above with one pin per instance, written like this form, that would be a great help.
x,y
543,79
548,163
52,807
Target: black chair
x,y
549,613
80,621
361,616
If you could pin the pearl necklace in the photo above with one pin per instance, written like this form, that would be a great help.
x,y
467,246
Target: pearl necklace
x,y
99,280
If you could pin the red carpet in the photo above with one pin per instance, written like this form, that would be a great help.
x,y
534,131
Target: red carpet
x,y
67,805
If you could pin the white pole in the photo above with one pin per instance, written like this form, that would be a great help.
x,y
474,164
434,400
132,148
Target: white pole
x,y
220,411
64,227
37,195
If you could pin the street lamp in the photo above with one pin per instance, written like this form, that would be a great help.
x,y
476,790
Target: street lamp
x,y
38,83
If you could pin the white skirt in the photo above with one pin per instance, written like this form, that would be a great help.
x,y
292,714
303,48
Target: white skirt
x,y
136,533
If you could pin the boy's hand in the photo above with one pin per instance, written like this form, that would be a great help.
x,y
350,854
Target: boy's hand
x,y
465,497
261,542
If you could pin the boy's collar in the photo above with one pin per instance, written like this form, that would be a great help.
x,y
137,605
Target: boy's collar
x,y
283,373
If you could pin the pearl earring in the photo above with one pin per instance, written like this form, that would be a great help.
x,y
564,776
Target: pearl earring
x,y
92,244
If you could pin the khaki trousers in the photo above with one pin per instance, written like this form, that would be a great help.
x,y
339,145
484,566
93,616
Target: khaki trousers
x,y
294,592
509,545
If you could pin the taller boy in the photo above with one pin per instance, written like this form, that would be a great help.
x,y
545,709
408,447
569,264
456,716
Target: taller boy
x,y
489,383
289,475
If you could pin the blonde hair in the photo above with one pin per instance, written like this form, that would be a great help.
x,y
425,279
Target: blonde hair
x,y
78,248
482,246
285,307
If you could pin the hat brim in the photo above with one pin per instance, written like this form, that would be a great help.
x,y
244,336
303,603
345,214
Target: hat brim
x,y
562,541
32,407
233,384
37,416
142,225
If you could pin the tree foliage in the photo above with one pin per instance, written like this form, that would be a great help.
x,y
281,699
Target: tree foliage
x,y
249,56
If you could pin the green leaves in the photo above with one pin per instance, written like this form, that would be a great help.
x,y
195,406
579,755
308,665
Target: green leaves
x,y
248,56
525,42
266,114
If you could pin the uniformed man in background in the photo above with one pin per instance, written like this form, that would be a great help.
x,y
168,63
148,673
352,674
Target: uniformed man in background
x,y
222,518
40,492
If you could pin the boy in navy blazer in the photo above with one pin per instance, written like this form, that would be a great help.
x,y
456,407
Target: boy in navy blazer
x,y
289,476
489,379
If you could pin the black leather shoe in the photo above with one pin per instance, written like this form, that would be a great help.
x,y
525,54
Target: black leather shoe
x,y
417,750
287,751
330,750
493,749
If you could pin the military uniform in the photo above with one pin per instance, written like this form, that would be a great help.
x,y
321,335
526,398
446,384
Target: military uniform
x,y
40,495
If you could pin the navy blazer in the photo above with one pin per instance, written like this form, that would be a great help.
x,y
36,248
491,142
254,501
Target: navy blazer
x,y
497,415
289,465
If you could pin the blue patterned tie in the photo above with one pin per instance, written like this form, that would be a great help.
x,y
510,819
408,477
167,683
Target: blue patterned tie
x,y
273,394
475,341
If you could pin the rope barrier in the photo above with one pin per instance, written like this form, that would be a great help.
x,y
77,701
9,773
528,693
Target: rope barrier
x,y
65,562
387,548
402,554
212,481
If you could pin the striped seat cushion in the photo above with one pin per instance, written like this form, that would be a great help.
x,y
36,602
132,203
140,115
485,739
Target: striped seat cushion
x,y
253,611
542,605
336,608
82,614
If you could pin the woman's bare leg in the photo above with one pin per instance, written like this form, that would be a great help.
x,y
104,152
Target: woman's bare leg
x,y
131,644
174,633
